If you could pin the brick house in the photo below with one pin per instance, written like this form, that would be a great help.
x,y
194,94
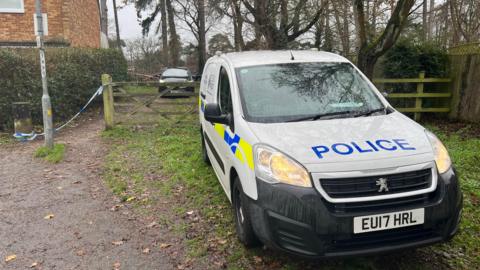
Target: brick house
x,y
74,23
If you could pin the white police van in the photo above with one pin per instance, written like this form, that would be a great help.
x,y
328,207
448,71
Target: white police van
x,y
316,162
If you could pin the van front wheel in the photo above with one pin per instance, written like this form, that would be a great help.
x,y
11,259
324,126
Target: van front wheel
x,y
243,223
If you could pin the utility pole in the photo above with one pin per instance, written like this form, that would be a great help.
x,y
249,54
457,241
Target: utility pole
x,y
46,103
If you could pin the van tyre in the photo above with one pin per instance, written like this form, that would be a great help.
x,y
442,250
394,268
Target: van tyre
x,y
204,152
241,213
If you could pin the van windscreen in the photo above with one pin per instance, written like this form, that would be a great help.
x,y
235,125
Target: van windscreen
x,y
302,91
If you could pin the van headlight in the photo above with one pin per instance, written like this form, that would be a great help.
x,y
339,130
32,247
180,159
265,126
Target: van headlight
x,y
442,159
275,167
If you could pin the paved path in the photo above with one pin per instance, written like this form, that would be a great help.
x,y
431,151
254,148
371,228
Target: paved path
x,y
84,232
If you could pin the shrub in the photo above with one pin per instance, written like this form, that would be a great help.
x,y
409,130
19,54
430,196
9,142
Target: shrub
x,y
407,60
73,76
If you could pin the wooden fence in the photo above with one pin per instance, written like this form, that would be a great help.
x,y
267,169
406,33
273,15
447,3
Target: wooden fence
x,y
148,103
121,106
419,95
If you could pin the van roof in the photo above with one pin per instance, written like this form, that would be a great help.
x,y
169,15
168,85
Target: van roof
x,y
255,58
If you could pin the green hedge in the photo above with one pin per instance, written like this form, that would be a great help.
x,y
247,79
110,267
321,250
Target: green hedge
x,y
407,60
73,76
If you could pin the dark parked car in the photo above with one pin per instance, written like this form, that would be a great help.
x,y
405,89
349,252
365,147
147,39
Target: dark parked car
x,y
177,75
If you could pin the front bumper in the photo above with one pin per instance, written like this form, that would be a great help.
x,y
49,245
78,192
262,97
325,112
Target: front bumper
x,y
299,221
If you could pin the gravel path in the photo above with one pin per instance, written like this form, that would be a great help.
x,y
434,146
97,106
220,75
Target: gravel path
x,y
84,232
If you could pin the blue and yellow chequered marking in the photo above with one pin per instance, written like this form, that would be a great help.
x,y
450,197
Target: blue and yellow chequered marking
x,y
237,145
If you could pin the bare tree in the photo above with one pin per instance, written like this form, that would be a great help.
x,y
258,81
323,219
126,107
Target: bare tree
x,y
174,42
171,42
117,28
232,9
424,20
163,26
340,12
465,16
144,55
431,17
193,14
282,21
369,52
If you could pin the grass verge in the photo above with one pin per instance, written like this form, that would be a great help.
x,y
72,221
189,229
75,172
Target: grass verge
x,y
5,139
54,155
162,165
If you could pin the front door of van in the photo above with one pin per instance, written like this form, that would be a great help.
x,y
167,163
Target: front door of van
x,y
223,135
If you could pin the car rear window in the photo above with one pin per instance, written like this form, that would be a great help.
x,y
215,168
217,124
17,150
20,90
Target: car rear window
x,y
175,72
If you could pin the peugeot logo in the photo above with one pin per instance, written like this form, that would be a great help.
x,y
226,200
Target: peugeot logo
x,y
382,183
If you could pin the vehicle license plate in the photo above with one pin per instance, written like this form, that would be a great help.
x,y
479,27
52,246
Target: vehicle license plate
x,y
388,221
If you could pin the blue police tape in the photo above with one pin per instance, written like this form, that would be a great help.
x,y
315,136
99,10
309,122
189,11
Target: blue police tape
x,y
25,136
32,136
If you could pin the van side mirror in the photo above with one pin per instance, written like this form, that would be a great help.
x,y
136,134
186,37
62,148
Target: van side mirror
x,y
213,114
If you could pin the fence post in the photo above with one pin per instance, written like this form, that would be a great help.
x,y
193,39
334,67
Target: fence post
x,y
418,100
108,110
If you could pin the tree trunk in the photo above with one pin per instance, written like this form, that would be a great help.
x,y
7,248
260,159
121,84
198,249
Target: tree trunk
x,y
319,33
174,44
346,28
370,51
258,5
237,26
163,14
431,17
117,28
202,47
279,33
104,18
342,27
424,20
104,23
328,44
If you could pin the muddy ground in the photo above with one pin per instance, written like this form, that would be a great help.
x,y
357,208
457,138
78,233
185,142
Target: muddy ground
x,y
87,230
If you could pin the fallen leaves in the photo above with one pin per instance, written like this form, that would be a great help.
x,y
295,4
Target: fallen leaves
x,y
116,207
49,216
165,245
118,243
146,251
152,225
116,266
10,258
129,199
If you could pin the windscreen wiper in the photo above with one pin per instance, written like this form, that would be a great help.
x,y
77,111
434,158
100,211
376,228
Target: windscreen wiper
x,y
318,116
370,112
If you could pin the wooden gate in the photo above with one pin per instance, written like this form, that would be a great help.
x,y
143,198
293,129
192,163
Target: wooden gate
x,y
142,103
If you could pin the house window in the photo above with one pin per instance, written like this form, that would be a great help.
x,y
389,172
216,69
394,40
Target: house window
x,y
11,6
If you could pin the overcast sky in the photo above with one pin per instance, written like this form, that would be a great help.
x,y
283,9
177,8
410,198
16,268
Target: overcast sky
x,y
130,27
128,24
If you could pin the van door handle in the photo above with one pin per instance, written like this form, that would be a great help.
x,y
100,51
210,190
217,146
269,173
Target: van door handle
x,y
203,95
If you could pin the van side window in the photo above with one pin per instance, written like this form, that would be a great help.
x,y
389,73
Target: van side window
x,y
224,94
